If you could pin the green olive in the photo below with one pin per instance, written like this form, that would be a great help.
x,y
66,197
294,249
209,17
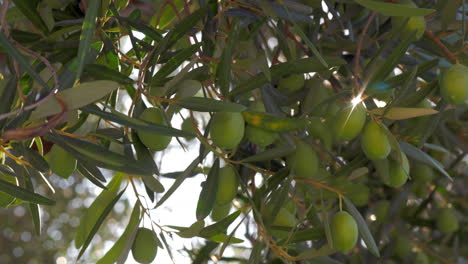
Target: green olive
x,y
320,130
154,141
374,141
145,245
421,258
292,83
260,136
220,211
454,84
227,185
61,162
402,246
349,122
344,232
381,211
415,26
358,194
5,198
187,126
398,173
227,129
447,221
422,173
284,218
304,161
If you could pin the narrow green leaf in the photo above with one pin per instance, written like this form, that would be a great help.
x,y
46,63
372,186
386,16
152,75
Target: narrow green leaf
x,y
220,226
35,159
134,123
202,104
24,194
117,249
33,208
401,113
102,72
175,62
422,157
208,193
362,226
87,34
99,222
390,9
422,68
278,71
29,10
270,154
88,175
192,231
256,254
153,184
274,123
313,253
179,180
390,63
97,209
75,98
98,155
12,51
223,71
143,28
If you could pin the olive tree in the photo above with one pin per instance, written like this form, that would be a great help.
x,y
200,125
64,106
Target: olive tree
x,y
334,131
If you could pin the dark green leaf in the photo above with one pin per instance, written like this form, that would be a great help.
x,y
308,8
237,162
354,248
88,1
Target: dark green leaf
x,y
208,193
99,222
87,35
12,51
24,194
362,226
175,62
83,170
90,219
223,71
203,104
422,157
278,71
102,72
220,226
29,10
390,9
269,154
117,249
134,123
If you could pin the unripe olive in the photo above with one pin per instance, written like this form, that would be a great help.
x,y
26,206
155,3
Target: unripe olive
x,y
187,126
421,258
284,218
292,83
398,173
344,232
402,246
227,129
304,161
416,24
447,221
422,173
145,245
154,141
260,136
358,194
5,198
374,141
454,84
349,122
381,211
320,130
61,162
220,211
227,185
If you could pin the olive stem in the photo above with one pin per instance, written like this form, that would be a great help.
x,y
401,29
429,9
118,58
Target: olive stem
x,y
358,50
450,55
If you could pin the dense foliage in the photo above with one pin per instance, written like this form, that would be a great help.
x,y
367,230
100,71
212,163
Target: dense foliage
x,y
335,130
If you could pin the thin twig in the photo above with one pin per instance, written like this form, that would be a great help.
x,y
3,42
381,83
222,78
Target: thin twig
x,y
3,12
450,55
358,51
